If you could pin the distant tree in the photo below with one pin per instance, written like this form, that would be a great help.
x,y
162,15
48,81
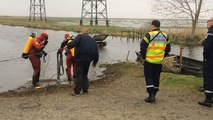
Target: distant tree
x,y
181,8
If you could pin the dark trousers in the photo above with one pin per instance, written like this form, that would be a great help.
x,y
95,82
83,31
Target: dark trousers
x,y
208,78
81,80
152,76
36,64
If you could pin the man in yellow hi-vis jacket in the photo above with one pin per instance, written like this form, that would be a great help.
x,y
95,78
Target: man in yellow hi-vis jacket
x,y
153,48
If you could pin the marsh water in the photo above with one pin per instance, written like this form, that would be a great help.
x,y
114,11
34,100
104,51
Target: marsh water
x,y
17,71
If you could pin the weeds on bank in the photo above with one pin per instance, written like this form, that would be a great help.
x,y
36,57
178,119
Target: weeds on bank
x,y
183,37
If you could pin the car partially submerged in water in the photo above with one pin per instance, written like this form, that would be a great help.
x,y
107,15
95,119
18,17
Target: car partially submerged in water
x,y
100,39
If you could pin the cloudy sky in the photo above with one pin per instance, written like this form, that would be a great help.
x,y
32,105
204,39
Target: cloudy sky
x,y
72,8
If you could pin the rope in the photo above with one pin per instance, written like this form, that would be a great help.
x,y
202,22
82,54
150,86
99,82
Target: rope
x,y
16,58
10,59
44,61
60,67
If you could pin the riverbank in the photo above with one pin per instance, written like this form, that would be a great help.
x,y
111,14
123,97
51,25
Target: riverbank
x,y
178,35
62,24
118,96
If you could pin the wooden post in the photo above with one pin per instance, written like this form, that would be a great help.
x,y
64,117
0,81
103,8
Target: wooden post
x,y
181,51
127,55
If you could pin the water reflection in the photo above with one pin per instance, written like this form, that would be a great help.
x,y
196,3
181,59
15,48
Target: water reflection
x,y
17,72
191,52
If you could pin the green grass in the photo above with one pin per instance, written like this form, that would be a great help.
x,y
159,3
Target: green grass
x,y
184,82
167,80
55,24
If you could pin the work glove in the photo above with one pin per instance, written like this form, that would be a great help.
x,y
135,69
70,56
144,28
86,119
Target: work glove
x,y
44,53
24,55
60,51
67,52
45,42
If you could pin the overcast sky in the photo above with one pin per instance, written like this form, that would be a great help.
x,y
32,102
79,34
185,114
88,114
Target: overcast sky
x,y
72,8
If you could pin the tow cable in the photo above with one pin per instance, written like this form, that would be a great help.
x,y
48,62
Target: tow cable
x,y
60,67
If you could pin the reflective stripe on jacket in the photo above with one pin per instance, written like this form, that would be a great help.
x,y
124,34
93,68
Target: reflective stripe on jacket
x,y
156,47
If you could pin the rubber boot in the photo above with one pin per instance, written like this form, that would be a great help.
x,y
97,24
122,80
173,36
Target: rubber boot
x,y
151,98
207,102
155,92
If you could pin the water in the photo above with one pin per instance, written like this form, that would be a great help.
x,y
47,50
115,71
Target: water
x,y
16,73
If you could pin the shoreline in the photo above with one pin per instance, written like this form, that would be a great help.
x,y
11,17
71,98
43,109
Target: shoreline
x,y
118,96
180,37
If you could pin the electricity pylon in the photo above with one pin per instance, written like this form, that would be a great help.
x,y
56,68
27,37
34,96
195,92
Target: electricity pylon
x,y
95,10
37,10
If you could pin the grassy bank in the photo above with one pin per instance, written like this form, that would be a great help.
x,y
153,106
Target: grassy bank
x,y
168,80
58,24
178,35
181,82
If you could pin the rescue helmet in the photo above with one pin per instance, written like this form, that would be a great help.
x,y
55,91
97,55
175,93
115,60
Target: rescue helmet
x,y
66,36
44,35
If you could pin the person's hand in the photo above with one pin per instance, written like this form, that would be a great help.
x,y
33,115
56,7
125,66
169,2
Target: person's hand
x,y
45,54
45,42
24,55
93,65
60,51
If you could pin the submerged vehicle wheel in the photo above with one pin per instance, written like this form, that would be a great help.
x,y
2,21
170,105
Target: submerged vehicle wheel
x,y
101,44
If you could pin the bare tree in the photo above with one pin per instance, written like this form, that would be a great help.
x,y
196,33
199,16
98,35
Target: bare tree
x,y
181,8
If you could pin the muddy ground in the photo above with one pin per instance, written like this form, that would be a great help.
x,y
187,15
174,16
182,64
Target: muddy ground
x,y
118,96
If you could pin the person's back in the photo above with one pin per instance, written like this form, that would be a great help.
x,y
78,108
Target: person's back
x,y
85,51
153,48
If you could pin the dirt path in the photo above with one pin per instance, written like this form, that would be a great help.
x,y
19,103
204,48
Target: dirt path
x,y
118,96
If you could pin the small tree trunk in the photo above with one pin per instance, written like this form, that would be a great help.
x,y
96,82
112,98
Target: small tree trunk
x,y
194,24
194,21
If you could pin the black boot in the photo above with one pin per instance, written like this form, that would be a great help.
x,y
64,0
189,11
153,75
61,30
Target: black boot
x,y
151,98
207,102
155,92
